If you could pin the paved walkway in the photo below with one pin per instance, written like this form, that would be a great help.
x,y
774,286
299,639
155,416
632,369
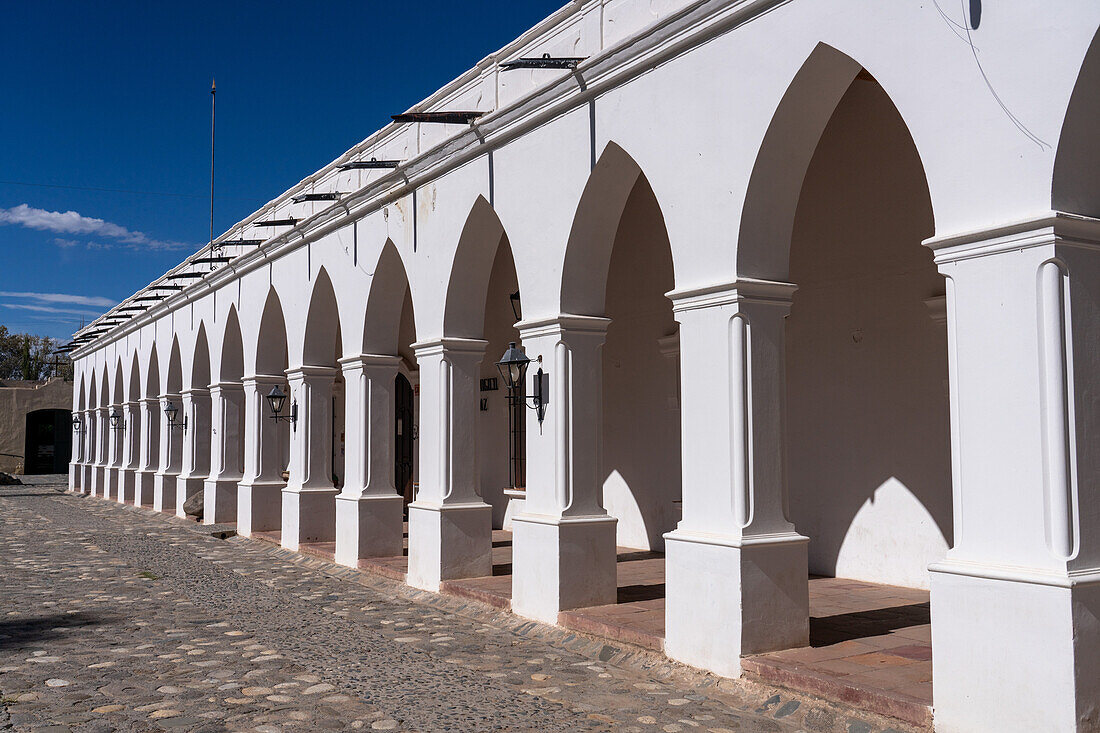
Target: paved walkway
x,y
116,618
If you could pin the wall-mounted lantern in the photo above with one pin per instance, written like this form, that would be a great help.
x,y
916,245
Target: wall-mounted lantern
x,y
514,300
117,421
78,424
277,400
513,367
171,411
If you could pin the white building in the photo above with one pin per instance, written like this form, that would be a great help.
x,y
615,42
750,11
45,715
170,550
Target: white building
x,y
815,287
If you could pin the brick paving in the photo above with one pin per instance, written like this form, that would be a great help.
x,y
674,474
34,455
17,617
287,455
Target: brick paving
x,y
117,618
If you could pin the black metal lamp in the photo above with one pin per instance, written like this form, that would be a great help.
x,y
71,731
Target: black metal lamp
x,y
514,299
117,423
171,411
78,424
513,367
277,400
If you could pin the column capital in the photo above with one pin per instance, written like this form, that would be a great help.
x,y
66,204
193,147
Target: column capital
x,y
735,292
556,325
362,361
224,386
193,392
1052,228
306,370
435,347
150,401
262,380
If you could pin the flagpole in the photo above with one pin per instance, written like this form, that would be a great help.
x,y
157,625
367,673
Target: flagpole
x,y
213,109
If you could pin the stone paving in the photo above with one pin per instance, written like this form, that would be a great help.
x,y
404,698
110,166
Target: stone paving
x,y
117,618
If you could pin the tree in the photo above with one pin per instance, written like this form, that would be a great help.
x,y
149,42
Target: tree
x,y
29,357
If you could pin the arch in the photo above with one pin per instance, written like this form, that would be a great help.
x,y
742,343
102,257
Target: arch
x,y
174,378
231,366
105,389
1076,185
93,392
271,349
321,340
152,377
388,289
134,392
120,384
82,398
467,288
775,185
200,362
592,235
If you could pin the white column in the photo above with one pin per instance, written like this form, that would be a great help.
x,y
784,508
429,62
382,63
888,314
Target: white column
x,y
1021,585
450,527
101,437
220,488
309,510
76,470
149,451
86,419
171,445
131,413
564,540
195,463
114,454
259,494
736,569
369,509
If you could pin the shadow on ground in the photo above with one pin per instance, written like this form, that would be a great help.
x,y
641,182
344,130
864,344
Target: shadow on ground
x,y
27,630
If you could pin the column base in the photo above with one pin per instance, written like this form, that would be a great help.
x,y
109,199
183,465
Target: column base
x,y
562,563
448,542
186,487
259,507
309,515
98,480
219,500
368,526
74,477
164,492
85,479
1014,652
126,482
726,600
143,488
111,490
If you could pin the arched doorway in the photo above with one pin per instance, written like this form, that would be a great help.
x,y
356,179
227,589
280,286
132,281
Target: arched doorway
x,y
404,427
48,441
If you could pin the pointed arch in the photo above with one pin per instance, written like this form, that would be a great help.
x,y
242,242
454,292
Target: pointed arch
x,y
467,288
388,289
152,376
134,392
174,379
1076,185
321,341
82,398
775,185
616,177
231,366
200,362
105,389
118,396
271,342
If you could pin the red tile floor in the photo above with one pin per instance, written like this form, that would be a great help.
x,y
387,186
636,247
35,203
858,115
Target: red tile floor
x,y
870,645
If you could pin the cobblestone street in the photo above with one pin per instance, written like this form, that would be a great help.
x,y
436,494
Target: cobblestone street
x,y
115,618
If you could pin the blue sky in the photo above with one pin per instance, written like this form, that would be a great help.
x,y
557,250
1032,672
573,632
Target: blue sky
x,y
116,96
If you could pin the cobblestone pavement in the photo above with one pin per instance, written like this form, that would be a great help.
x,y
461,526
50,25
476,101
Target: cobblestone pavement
x,y
115,618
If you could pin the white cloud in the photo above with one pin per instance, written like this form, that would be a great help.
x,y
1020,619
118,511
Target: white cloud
x,y
60,298
51,309
71,222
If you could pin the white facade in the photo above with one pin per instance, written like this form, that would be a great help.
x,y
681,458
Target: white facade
x,y
816,287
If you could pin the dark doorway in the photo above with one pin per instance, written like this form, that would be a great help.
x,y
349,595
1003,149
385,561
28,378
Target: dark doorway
x,y
49,441
403,437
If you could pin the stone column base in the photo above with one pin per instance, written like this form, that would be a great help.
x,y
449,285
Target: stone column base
x,y
126,486
1014,651
85,479
143,488
309,515
259,507
562,563
74,477
112,483
368,526
186,487
98,480
725,600
448,542
164,492
219,500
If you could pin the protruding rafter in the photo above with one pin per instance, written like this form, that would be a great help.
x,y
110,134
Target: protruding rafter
x,y
238,243
304,197
372,164
546,61
211,260
441,118
288,222
186,275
